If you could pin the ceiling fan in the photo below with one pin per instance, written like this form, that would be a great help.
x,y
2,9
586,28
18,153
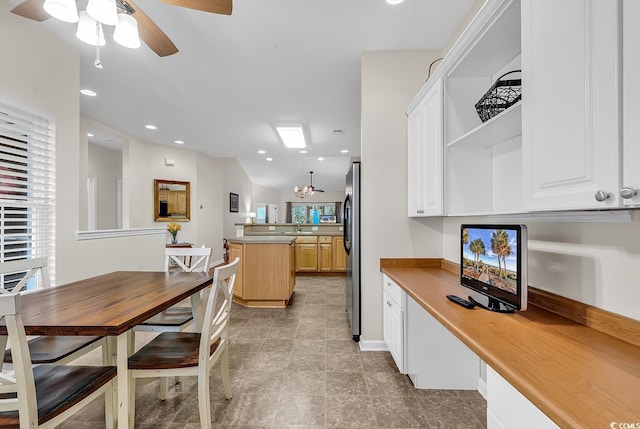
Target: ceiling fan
x,y
302,191
149,32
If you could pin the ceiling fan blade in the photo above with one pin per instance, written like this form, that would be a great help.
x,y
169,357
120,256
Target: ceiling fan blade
x,y
31,9
223,7
151,34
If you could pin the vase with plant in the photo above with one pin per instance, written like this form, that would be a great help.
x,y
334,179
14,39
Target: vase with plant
x,y
173,228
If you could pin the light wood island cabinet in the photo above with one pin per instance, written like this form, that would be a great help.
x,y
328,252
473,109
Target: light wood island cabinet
x,y
266,273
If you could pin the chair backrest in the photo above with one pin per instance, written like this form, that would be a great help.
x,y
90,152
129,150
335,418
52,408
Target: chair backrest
x,y
194,259
18,273
23,384
216,317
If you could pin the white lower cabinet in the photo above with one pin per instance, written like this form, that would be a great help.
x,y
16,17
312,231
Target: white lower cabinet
x,y
507,408
393,321
436,359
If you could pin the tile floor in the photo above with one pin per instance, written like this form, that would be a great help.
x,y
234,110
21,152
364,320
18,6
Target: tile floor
x,y
298,368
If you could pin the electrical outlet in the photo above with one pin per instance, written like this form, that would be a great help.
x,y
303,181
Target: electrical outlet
x,y
314,228
272,228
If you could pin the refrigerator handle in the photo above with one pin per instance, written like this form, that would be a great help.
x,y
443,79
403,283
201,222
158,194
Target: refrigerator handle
x,y
345,222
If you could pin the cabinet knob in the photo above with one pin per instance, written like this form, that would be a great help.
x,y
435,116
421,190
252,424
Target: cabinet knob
x,y
388,303
628,192
601,195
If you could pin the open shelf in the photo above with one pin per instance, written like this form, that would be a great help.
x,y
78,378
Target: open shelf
x,y
504,126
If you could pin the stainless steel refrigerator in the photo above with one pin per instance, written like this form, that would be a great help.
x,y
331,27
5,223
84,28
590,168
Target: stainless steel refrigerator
x,y
351,233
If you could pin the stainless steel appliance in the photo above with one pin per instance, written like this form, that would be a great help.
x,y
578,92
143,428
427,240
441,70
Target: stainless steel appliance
x,y
351,233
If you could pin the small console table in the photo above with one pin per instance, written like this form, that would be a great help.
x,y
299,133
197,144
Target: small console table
x,y
560,363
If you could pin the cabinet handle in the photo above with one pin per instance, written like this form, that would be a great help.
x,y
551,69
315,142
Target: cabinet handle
x,y
388,303
420,211
601,195
628,192
389,284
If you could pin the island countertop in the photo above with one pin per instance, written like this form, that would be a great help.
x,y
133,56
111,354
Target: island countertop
x,y
268,239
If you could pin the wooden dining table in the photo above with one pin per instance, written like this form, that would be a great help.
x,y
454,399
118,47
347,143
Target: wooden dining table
x,y
109,305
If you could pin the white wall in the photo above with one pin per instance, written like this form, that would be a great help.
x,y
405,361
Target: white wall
x,y
390,80
594,263
105,164
207,205
237,182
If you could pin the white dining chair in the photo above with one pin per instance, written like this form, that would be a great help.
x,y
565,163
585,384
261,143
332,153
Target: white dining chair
x,y
179,317
193,353
46,395
23,276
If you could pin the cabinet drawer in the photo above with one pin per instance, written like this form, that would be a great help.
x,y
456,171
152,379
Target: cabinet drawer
x,y
393,290
324,239
304,239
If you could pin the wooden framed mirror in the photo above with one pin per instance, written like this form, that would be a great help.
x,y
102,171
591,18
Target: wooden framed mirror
x,y
172,200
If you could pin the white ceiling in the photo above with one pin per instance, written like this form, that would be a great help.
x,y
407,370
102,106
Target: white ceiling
x,y
270,61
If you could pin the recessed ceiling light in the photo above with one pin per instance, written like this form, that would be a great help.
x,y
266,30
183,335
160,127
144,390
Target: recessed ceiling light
x,y
269,159
178,142
88,92
344,151
151,127
320,159
262,152
303,151
89,135
394,1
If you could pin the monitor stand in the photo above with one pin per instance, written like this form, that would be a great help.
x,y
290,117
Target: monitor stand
x,y
490,304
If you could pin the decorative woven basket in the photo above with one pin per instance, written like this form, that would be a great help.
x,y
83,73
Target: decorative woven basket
x,y
503,94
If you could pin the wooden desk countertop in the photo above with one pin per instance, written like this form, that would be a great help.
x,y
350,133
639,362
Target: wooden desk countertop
x,y
579,377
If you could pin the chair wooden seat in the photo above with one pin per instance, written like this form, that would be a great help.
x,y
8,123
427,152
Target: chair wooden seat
x,y
170,350
171,317
77,383
46,350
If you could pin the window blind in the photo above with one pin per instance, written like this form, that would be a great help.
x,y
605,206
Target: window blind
x,y
27,185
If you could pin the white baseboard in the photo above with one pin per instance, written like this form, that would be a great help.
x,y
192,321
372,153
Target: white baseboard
x,y
482,387
373,346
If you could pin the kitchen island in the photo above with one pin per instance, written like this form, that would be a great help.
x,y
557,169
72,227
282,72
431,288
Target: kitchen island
x,y
266,274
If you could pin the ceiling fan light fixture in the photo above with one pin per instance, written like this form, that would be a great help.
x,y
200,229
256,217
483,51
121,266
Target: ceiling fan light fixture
x,y
103,11
126,32
89,30
64,10
303,191
291,135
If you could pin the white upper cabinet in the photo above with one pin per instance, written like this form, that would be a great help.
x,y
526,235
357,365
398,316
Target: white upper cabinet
x,y
571,143
483,160
424,155
630,191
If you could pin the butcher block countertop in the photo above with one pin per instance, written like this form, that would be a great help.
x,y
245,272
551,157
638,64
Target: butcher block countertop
x,y
579,364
